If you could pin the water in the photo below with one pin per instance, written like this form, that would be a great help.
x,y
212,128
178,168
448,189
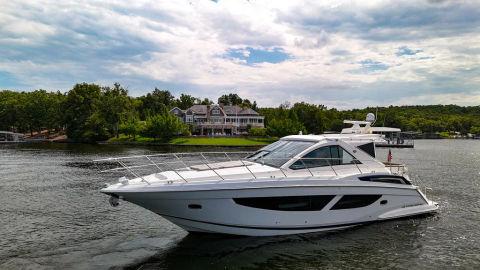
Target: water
x,y
53,217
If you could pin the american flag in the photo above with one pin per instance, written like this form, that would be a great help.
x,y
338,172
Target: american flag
x,y
389,157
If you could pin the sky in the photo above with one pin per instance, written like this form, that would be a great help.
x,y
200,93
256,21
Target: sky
x,y
343,54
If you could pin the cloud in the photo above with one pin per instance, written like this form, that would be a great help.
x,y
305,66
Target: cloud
x,y
338,53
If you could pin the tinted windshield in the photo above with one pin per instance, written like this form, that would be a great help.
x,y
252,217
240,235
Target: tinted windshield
x,y
278,153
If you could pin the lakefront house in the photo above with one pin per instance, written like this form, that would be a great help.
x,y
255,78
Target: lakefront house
x,y
219,119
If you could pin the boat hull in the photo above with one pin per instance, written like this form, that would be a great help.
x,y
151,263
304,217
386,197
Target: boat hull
x,y
219,211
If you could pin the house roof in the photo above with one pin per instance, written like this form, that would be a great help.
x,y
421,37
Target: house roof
x,y
199,109
237,110
228,110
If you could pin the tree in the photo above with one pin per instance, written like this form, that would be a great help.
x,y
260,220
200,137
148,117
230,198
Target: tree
x,y
284,127
230,99
475,130
312,116
95,128
259,132
186,101
81,103
164,126
254,106
36,110
12,110
155,103
131,127
246,104
115,105
206,101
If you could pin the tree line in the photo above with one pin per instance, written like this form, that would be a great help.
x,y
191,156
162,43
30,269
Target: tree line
x,y
90,112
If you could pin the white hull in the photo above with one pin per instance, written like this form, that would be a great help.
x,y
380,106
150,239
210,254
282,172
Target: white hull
x,y
219,213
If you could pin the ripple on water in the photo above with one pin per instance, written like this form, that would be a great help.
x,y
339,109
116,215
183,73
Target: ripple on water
x,y
52,215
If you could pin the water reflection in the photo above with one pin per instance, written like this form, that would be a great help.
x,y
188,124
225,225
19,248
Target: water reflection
x,y
53,215
360,247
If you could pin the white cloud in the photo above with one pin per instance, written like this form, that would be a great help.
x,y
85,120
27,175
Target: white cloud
x,y
183,44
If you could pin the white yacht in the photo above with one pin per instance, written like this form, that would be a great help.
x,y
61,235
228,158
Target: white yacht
x,y
299,184
392,137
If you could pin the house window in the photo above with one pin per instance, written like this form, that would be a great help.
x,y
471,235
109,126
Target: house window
x,y
215,111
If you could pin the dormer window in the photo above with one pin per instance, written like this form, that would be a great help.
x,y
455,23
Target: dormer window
x,y
215,111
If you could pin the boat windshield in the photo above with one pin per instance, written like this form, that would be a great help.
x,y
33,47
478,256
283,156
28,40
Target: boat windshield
x,y
278,153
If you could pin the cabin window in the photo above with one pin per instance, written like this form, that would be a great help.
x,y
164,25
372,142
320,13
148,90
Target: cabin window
x,y
325,156
355,201
287,203
278,153
368,148
391,179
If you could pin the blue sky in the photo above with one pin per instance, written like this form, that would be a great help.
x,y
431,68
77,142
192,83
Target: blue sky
x,y
343,54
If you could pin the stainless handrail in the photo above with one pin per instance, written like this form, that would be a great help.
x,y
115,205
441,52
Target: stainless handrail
x,y
208,163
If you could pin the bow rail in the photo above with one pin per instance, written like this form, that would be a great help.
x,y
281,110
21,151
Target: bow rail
x,y
140,166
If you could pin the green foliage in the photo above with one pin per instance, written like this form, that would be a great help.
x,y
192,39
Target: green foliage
x,y
115,106
156,102
186,101
164,126
80,105
132,127
90,112
284,127
95,129
258,132
206,101
475,130
312,116
230,99
30,111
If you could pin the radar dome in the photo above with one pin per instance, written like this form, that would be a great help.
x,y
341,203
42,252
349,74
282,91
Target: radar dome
x,y
370,117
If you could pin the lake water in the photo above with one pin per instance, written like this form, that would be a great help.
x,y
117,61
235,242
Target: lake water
x,y
53,217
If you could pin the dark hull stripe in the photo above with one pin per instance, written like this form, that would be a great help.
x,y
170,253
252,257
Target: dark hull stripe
x,y
273,228
303,228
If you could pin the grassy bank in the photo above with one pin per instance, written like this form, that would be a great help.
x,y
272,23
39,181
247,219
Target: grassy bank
x,y
214,141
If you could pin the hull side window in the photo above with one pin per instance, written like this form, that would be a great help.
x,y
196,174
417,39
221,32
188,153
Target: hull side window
x,y
355,201
287,203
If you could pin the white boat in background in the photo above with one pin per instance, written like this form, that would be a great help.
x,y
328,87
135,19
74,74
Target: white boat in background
x,y
299,184
393,137
11,137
